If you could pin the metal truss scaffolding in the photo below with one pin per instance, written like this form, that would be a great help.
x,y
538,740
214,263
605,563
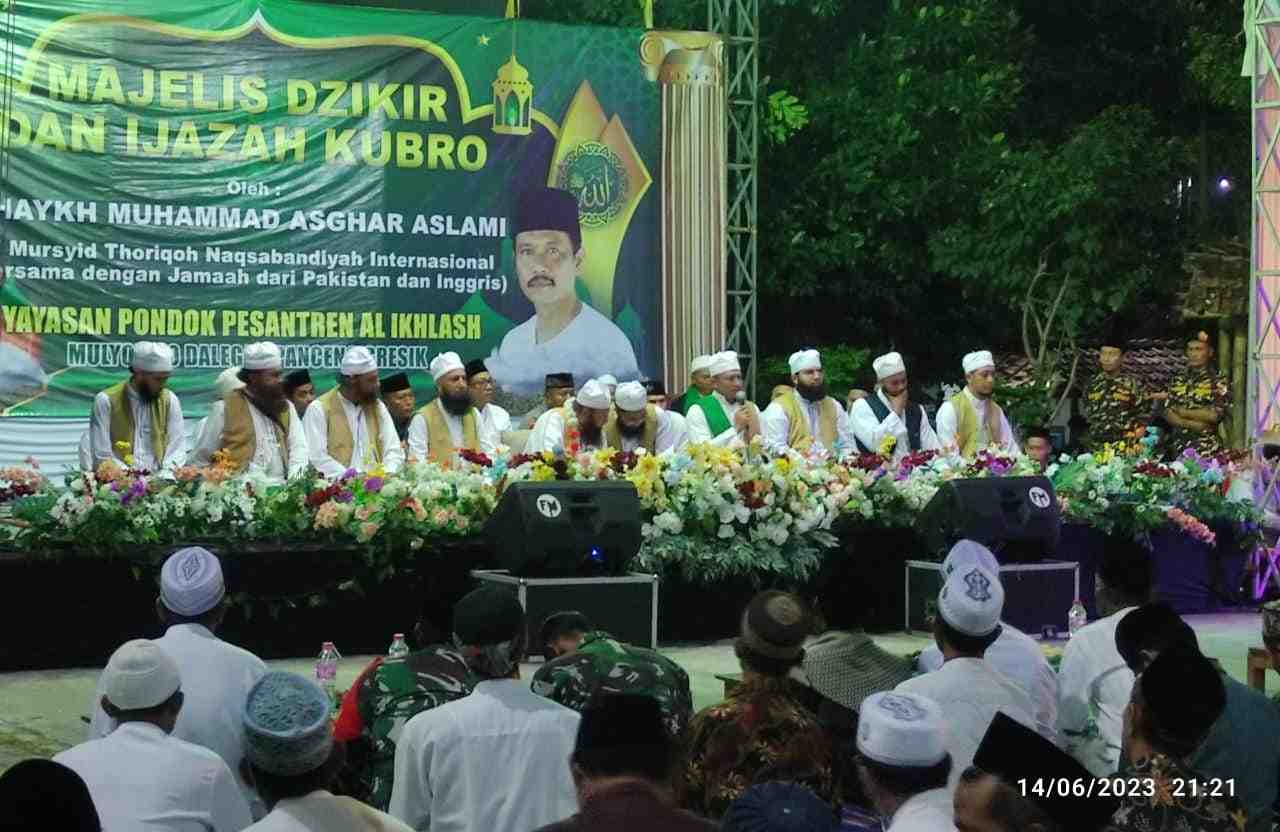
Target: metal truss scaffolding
x,y
738,22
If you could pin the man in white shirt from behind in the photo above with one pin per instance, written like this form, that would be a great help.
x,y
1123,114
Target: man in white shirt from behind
x,y
805,418
971,421
497,759
139,776
217,676
967,688
903,763
349,427
1093,680
721,419
1014,653
889,412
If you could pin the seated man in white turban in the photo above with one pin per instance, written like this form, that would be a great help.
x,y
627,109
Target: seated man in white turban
x,y
140,418
971,421
725,417
350,427
577,426
256,425
888,412
699,385
636,424
449,422
805,418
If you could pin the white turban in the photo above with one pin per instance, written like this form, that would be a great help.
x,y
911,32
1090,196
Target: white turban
x,y
228,381
593,395
804,360
140,675
263,355
724,362
978,360
445,363
631,396
608,380
357,361
889,364
152,357
191,582
702,362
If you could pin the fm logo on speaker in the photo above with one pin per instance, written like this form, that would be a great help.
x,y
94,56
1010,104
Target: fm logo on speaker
x,y
1039,497
548,506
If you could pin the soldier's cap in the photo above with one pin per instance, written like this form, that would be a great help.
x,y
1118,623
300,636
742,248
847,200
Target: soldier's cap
x,y
616,727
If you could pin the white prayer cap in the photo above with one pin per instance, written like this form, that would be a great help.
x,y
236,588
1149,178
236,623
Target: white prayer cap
x,y
631,396
968,553
901,729
152,357
357,361
608,380
724,362
286,725
445,363
228,381
889,364
971,601
140,675
978,360
263,355
702,362
804,360
191,582
593,395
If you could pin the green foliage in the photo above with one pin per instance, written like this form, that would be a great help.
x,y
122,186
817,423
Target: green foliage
x,y
786,116
1026,406
843,366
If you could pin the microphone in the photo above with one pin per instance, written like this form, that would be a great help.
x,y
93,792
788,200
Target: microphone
x,y
740,397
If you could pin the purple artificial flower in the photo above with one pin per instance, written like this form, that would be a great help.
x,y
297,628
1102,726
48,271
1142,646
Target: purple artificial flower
x,y
373,484
998,467
344,496
348,474
137,489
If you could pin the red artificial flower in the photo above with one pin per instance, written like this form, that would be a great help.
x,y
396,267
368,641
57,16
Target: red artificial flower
x,y
475,457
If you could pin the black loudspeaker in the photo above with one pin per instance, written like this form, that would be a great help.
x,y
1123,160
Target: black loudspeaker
x,y
565,529
1015,517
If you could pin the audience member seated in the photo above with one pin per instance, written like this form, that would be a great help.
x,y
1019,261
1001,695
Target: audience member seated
x,y
139,776
583,662
903,762
1014,653
1243,747
1093,681
1174,704
493,760
1021,782
621,765
44,795
293,761
385,696
761,732
779,807
967,688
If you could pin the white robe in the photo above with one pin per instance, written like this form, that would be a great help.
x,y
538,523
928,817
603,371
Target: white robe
x,y
871,431
671,435
266,458
590,346
175,452
420,439
776,427
316,423
930,811
1094,686
498,420
700,432
948,422
320,811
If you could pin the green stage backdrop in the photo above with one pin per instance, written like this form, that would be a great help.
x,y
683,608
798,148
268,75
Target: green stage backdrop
x,y
215,173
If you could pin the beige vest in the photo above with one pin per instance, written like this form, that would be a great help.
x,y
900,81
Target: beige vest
x,y
967,424
439,440
122,426
649,439
799,436
341,442
240,437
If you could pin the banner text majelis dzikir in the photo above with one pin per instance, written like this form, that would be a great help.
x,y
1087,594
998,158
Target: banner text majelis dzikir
x,y
223,217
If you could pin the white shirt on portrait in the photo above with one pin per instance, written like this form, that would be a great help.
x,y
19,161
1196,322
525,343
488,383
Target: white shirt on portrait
x,y
590,346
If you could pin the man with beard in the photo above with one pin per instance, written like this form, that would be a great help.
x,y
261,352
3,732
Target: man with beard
x,y
140,419
970,421
888,412
480,384
805,418
450,422
349,427
637,424
722,419
577,426
398,396
256,426
299,390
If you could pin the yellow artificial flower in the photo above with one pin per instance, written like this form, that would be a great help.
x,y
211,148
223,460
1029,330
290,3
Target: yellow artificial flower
x,y
887,445
542,473
782,465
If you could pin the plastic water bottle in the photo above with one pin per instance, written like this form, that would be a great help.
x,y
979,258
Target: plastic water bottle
x,y
1077,617
399,648
327,668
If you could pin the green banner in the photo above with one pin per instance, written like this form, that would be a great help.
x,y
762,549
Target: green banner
x,y
216,173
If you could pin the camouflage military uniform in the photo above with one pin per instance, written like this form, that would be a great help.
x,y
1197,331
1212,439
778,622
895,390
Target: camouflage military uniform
x,y
605,664
393,694
1198,389
1113,405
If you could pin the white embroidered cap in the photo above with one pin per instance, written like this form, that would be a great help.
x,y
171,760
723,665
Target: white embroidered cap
x,y
140,675
804,360
901,729
608,380
724,362
357,361
971,601
702,362
978,360
152,357
969,553
889,364
191,582
445,363
263,355
631,396
593,395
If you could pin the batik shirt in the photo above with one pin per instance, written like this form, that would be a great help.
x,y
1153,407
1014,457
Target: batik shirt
x,y
1113,405
603,664
393,694
760,733
1198,389
1166,795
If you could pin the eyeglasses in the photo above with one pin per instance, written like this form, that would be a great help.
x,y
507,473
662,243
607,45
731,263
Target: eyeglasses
x,y
482,382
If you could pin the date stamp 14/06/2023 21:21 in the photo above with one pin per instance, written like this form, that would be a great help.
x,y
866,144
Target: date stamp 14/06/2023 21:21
x,y
1121,787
